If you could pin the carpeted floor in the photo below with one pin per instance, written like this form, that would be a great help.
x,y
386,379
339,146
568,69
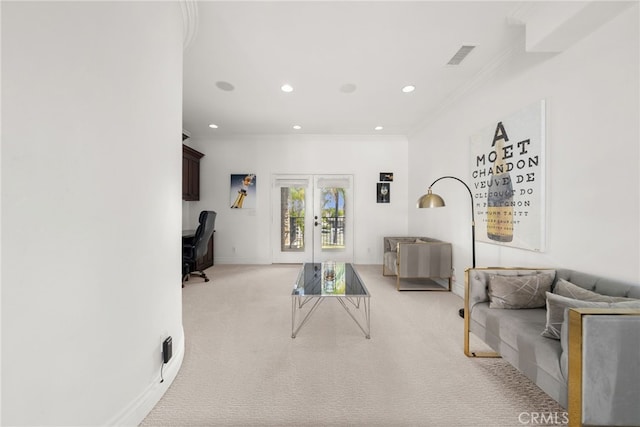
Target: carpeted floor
x,y
242,368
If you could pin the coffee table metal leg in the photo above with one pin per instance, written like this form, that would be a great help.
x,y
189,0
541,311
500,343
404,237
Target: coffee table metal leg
x,y
297,304
367,315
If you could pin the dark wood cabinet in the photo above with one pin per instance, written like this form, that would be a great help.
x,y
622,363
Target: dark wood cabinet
x,y
190,173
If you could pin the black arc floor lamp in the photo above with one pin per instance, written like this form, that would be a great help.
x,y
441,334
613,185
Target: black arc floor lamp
x,y
431,200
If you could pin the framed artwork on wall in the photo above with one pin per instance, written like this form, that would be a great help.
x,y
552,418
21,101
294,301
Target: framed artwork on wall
x,y
508,179
243,191
383,191
386,176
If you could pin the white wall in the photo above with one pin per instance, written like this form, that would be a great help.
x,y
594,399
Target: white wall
x,y
250,231
91,214
593,215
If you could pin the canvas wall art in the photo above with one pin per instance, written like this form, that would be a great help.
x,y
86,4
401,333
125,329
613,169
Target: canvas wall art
x,y
243,191
508,179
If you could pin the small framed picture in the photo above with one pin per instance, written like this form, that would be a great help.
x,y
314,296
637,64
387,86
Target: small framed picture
x,y
386,176
383,191
243,191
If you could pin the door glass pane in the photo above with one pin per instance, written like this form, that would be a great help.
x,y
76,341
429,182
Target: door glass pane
x,y
333,216
292,208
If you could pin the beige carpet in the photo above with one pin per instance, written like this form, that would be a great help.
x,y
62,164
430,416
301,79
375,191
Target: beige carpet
x,y
242,368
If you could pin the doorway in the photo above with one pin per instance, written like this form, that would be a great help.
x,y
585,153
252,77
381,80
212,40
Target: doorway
x,y
312,218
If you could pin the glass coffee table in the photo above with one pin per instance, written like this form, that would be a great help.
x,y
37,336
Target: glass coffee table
x,y
317,282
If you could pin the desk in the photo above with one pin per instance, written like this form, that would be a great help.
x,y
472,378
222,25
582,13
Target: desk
x,y
207,260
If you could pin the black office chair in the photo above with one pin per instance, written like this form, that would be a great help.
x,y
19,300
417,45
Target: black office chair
x,y
197,246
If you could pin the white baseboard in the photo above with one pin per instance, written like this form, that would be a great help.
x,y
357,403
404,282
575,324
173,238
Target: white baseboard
x,y
458,289
140,407
247,261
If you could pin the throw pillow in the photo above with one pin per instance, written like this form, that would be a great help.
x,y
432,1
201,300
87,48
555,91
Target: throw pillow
x,y
513,292
557,304
570,290
555,312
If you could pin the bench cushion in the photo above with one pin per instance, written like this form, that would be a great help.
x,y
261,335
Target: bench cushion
x,y
515,334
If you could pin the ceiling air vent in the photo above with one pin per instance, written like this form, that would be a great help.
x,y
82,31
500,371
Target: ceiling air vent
x,y
460,55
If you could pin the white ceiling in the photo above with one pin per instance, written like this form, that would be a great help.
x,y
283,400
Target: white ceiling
x,y
320,46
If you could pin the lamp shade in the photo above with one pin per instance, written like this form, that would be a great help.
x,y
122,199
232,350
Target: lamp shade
x,y
430,200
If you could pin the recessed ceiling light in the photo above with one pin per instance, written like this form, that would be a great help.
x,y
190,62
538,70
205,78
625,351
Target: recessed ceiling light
x,y
286,88
348,88
226,86
212,126
408,88
378,128
297,127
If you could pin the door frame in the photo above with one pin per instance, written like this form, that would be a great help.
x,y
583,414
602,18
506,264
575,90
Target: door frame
x,y
313,251
333,254
293,257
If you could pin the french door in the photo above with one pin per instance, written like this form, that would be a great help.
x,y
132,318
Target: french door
x,y
312,218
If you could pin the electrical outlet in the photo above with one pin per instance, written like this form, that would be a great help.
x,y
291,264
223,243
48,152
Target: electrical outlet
x,y
166,350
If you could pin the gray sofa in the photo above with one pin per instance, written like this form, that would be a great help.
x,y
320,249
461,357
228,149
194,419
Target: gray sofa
x,y
593,368
417,262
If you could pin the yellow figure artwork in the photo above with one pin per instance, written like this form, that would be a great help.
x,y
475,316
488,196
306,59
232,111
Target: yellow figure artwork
x,y
242,192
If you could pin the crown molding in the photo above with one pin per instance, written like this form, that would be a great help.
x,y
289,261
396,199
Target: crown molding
x,y
190,21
